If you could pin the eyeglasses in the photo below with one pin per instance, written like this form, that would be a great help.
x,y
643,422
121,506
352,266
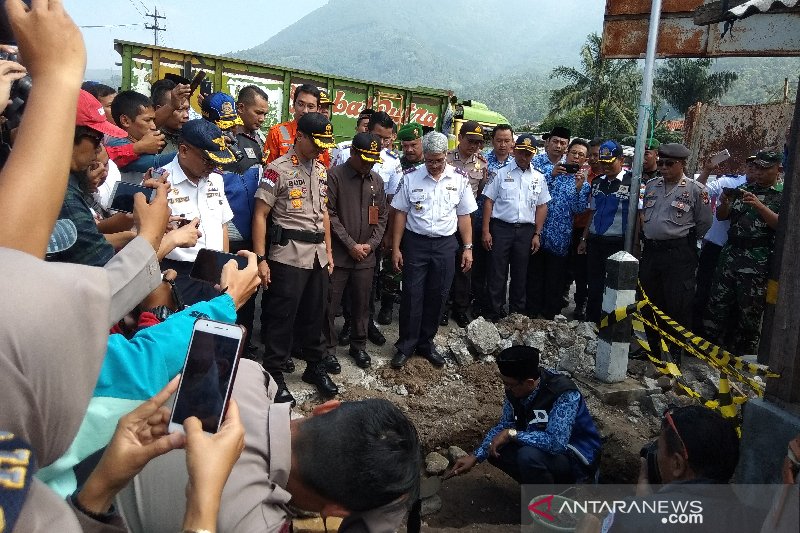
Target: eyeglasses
x,y
578,154
307,107
666,162
671,423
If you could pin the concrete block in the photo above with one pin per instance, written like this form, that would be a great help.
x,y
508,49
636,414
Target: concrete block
x,y
611,363
436,463
767,429
621,393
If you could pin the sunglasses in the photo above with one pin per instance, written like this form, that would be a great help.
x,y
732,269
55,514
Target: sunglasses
x,y
668,419
666,162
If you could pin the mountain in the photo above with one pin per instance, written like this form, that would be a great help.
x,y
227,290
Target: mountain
x,y
449,44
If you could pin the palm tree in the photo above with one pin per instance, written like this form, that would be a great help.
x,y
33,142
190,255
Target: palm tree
x,y
608,87
682,82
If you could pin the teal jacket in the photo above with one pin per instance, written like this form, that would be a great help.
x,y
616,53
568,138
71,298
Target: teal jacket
x,y
133,371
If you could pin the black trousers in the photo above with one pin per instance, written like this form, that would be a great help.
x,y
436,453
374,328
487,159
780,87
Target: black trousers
x,y
598,249
293,307
479,270
357,284
667,274
191,290
532,466
706,266
578,269
428,269
511,247
246,313
545,290
461,290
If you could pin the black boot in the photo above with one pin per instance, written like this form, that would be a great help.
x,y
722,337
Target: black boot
x,y
282,395
374,334
315,374
344,334
384,317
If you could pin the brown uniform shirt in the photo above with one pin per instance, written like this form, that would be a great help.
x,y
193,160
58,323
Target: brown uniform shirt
x,y
673,214
298,201
350,197
475,168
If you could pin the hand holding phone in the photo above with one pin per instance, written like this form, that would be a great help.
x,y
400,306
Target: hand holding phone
x,y
719,157
732,192
122,197
198,78
208,375
209,263
571,168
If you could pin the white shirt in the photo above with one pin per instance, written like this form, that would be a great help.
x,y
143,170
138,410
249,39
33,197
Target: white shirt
x,y
718,233
336,158
106,190
206,201
516,193
433,207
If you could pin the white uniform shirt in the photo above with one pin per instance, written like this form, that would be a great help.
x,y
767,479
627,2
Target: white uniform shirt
x,y
104,192
516,193
433,207
389,169
206,201
341,153
718,234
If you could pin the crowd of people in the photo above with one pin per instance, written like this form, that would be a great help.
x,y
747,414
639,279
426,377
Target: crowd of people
x,y
101,301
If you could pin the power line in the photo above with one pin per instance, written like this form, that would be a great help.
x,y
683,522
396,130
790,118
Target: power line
x,y
110,25
136,8
154,26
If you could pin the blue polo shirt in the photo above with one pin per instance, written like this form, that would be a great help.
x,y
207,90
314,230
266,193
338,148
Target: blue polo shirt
x,y
609,205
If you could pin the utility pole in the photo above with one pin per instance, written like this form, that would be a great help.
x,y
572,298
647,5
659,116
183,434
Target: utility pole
x,y
155,27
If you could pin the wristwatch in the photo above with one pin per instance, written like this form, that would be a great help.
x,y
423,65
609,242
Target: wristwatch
x,y
512,433
537,234
468,246
260,258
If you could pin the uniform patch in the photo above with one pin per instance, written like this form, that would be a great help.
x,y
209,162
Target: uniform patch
x,y
295,161
409,169
462,172
295,193
392,154
297,203
297,182
705,197
271,177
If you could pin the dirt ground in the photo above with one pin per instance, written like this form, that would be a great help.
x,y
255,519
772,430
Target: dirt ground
x,y
456,405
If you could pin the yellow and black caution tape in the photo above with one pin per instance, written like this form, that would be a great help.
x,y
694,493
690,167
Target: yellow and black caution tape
x,y
729,366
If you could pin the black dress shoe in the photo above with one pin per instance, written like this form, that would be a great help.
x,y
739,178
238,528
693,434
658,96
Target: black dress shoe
x,y
445,318
282,395
344,334
361,357
384,317
374,334
399,360
434,357
332,364
461,318
316,375
288,366
580,313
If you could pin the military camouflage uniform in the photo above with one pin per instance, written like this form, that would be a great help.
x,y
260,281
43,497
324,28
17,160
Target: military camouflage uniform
x,y
740,281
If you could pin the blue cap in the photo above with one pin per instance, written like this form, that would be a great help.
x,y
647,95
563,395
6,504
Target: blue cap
x,y
609,151
220,108
205,135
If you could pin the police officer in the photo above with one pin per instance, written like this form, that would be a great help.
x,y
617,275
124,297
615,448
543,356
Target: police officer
x,y
467,158
361,126
410,136
514,211
197,192
325,104
293,189
432,202
676,213
740,281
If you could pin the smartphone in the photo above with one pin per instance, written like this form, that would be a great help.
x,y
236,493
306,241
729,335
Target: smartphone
x,y
205,87
158,173
208,374
208,265
196,81
572,168
719,157
122,197
733,193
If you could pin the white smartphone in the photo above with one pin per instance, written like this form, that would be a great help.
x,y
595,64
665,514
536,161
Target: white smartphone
x,y
719,157
208,375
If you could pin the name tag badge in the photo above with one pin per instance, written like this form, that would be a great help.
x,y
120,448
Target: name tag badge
x,y
372,211
250,152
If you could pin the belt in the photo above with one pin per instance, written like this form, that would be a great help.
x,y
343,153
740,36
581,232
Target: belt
x,y
415,234
748,242
513,225
304,236
667,244
610,239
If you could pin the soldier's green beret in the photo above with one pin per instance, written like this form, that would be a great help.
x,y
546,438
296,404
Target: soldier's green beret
x,y
410,131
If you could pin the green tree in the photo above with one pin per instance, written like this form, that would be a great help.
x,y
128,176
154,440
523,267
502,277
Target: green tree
x,y
607,87
682,82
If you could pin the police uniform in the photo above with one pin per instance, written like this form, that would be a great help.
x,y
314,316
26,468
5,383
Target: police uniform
x,y
740,281
204,200
296,193
515,194
280,140
475,168
675,216
428,246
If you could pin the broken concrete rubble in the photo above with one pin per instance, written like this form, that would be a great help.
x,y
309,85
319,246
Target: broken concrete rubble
x,y
483,336
436,463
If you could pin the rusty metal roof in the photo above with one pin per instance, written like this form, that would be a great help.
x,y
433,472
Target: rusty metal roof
x,y
752,7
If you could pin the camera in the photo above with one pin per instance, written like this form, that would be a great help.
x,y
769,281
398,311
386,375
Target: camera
x,y
233,146
20,91
650,452
572,168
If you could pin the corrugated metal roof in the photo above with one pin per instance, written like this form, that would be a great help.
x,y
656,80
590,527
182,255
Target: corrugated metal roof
x,y
752,7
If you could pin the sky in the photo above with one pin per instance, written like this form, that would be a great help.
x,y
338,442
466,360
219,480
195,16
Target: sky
x,y
208,26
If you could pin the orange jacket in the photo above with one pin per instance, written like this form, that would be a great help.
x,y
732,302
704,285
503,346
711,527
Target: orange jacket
x,y
281,138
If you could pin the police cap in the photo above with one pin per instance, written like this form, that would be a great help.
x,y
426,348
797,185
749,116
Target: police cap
x,y
768,157
674,151
526,141
368,146
206,136
220,108
609,151
318,128
471,130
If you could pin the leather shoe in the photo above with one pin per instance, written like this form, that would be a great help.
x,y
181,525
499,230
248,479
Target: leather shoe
x,y
288,366
361,357
374,334
445,318
282,395
399,360
316,375
332,364
580,313
434,357
344,334
384,317
461,318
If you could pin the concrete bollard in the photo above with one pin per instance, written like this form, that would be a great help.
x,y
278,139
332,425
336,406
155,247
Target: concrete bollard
x,y
613,342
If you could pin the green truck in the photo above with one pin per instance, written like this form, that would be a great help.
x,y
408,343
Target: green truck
x,y
143,63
